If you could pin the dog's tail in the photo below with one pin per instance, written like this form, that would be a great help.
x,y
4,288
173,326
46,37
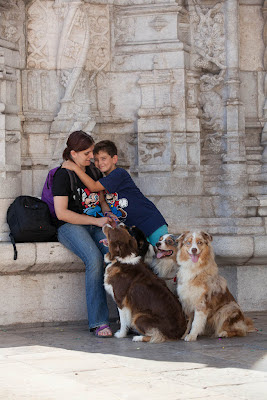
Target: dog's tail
x,y
155,335
250,325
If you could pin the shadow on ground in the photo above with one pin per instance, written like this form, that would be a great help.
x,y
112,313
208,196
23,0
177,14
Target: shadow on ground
x,y
247,352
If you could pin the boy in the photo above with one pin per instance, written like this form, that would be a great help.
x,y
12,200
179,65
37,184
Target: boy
x,y
135,208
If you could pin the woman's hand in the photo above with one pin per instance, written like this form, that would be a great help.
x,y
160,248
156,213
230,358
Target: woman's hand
x,y
112,216
103,221
68,164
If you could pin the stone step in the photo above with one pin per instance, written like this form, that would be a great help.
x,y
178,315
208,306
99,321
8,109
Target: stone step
x,y
223,226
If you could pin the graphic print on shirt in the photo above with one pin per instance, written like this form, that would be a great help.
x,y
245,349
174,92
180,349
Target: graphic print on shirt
x,y
116,205
91,203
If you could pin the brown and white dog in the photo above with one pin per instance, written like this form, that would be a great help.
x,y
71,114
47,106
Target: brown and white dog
x,y
164,263
204,295
144,301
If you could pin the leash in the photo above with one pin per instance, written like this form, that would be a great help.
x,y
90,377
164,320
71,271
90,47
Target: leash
x,y
115,219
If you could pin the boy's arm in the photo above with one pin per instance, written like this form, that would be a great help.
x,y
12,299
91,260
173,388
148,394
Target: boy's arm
x,y
104,205
93,186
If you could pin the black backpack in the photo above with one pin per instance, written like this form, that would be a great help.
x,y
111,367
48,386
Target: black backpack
x,y
29,220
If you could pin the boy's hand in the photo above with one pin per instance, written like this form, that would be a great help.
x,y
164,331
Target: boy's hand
x,y
68,164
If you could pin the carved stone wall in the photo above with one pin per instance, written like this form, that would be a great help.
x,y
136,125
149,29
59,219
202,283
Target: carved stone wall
x,y
178,85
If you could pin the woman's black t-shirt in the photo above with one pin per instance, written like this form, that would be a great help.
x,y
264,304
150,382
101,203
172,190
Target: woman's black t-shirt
x,y
62,187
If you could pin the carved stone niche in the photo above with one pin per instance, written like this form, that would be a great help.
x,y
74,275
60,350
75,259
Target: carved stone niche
x,y
155,121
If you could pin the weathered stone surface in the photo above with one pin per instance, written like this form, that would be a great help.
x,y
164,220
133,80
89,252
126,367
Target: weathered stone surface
x,y
54,256
234,250
251,291
26,258
251,40
260,248
35,298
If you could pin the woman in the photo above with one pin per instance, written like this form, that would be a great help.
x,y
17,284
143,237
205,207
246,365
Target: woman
x,y
82,233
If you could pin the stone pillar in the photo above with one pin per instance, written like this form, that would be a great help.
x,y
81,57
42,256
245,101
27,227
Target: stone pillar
x,y
235,171
11,60
264,131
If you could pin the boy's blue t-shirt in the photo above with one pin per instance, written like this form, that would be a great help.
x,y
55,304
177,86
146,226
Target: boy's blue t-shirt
x,y
134,207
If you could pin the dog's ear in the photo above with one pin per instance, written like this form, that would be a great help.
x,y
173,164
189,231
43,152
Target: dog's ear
x,y
207,236
180,238
124,249
112,252
133,245
173,239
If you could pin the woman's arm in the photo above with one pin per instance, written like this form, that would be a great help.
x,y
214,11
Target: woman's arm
x,y
66,215
93,186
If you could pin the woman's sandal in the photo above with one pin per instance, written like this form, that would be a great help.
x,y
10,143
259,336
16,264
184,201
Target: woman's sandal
x,y
100,329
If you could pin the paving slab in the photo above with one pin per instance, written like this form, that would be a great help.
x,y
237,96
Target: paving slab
x,y
68,362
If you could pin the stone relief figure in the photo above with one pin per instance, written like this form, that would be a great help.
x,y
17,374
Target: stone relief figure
x,y
73,46
83,45
209,45
72,39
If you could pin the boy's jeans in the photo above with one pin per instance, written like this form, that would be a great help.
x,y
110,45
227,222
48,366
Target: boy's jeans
x,y
83,240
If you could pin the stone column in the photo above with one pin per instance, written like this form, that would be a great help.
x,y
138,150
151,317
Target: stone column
x,y
235,178
264,132
11,60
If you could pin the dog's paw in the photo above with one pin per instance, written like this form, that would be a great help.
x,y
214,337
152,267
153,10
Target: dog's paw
x,y
190,338
120,334
222,334
137,339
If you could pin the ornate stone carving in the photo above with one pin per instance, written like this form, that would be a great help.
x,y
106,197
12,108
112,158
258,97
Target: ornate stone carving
x,y
124,27
208,24
209,35
73,47
39,14
158,23
12,18
155,116
69,37
98,58
39,92
152,148
212,120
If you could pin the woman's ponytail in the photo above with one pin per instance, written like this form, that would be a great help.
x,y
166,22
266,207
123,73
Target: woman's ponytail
x,y
77,141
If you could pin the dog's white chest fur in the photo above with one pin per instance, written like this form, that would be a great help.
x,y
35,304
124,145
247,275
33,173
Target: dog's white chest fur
x,y
108,287
189,294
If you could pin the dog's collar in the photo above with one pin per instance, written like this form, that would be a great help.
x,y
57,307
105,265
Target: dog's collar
x,y
131,259
174,279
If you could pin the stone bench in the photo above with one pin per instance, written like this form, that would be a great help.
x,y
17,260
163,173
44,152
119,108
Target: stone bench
x,y
46,283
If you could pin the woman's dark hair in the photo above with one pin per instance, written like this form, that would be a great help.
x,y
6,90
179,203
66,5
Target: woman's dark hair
x,y
77,141
106,145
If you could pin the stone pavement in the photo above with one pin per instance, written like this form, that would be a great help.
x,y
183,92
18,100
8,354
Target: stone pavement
x,y
67,362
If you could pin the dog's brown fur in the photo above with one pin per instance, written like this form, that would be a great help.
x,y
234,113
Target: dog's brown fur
x,y
204,295
145,303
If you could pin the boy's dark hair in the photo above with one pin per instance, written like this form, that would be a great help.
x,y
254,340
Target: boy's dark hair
x,y
106,145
